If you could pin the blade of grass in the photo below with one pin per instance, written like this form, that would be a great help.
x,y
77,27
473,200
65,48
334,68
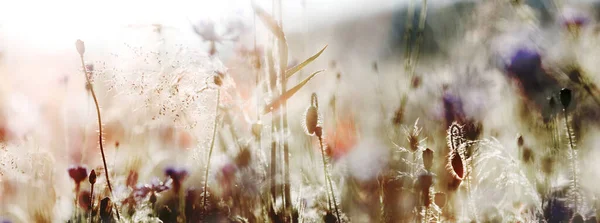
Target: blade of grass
x,y
277,32
277,102
290,72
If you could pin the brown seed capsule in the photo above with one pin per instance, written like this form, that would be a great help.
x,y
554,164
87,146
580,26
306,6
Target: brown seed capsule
x,y
92,177
428,159
80,47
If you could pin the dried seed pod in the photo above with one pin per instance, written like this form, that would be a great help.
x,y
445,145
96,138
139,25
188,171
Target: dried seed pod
x,y
92,177
565,97
80,47
440,199
428,159
312,116
106,210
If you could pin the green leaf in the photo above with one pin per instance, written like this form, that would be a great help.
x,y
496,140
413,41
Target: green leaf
x,y
288,94
293,70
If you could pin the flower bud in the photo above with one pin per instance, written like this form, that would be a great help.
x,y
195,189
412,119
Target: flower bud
x,y
80,47
92,177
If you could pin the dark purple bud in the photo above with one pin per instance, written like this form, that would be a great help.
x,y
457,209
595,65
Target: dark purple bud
x,y
78,173
177,175
565,97
525,63
92,177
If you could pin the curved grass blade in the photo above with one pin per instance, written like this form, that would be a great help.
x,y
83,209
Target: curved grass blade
x,y
277,31
274,105
293,70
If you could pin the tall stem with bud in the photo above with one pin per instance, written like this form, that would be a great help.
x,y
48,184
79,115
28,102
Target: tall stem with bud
x,y
81,49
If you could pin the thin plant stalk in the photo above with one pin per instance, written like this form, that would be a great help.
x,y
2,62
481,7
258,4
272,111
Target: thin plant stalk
x,y
212,145
328,178
573,159
91,88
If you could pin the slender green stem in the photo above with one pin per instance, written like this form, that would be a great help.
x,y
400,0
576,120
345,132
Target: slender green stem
x,y
212,145
91,87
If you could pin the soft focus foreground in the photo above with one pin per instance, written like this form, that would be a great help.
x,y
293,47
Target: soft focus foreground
x,y
300,111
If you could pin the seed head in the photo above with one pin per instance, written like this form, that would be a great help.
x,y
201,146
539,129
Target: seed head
x,y
80,47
